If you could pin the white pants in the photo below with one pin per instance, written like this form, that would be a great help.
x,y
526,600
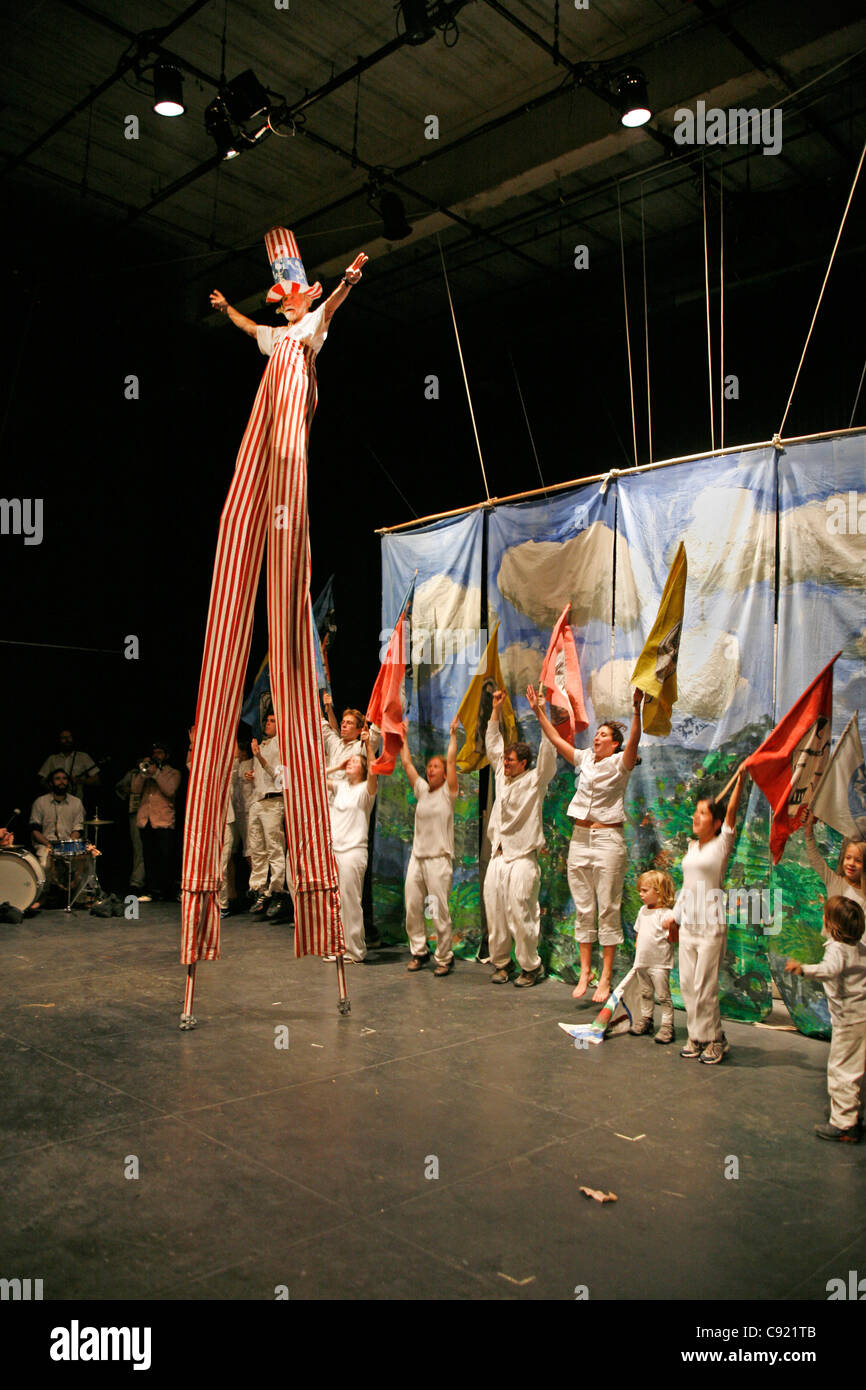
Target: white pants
x,y
428,884
231,843
655,983
267,845
351,866
596,869
511,906
700,962
845,1069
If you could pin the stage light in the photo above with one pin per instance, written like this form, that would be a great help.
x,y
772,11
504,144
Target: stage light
x,y
219,127
395,227
632,96
245,98
167,89
418,26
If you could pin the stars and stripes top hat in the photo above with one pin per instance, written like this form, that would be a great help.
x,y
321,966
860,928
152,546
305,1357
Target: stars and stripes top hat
x,y
287,268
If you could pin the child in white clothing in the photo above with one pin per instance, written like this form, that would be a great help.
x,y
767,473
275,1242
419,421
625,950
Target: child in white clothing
x,y
843,974
654,957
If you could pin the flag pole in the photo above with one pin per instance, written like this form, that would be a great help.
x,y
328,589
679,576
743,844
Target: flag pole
x,y
344,1004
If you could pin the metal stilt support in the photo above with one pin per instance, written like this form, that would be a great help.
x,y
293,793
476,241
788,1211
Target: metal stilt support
x,y
343,1003
188,1019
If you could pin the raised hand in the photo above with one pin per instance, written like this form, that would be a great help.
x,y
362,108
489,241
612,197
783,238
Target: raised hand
x,y
498,699
353,271
454,726
219,301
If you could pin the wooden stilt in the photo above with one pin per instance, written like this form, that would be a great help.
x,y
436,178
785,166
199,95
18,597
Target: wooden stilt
x,y
188,1019
343,1003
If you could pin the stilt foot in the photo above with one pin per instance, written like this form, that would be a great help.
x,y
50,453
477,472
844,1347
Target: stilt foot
x,y
187,1022
345,1006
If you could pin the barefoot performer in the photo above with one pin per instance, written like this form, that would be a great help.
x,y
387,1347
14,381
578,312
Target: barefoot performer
x,y
267,496
596,855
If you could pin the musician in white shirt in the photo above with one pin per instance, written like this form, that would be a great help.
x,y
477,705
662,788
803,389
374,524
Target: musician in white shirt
x,y
516,835
597,854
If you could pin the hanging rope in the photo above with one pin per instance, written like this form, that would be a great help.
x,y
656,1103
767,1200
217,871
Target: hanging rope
x,y
463,368
821,295
721,312
707,297
627,335
649,413
857,397
526,418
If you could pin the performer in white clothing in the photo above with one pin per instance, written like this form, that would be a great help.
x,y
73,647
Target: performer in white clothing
x,y
431,864
265,836
654,954
849,880
596,855
352,799
516,835
700,913
344,739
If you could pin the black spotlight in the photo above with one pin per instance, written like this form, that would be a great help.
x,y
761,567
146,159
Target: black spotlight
x,y
395,227
218,125
167,89
245,98
418,26
632,96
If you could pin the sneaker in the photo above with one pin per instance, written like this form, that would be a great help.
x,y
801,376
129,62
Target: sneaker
x,y
418,962
642,1027
725,1045
526,978
444,969
502,974
261,905
281,909
841,1136
692,1048
665,1034
715,1052
145,898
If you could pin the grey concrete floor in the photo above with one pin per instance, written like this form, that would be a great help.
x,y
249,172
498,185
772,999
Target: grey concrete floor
x,y
140,1162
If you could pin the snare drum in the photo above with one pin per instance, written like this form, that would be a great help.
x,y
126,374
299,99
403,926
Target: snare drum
x,y
21,878
69,847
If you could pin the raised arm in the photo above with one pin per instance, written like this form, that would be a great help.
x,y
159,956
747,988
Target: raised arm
x,y
328,702
372,777
734,802
219,301
451,757
351,277
405,758
494,746
561,744
629,753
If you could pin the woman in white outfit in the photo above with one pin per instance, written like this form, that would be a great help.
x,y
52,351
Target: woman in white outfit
x,y
700,912
351,801
597,855
431,864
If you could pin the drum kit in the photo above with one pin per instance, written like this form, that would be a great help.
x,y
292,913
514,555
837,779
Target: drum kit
x,y
71,869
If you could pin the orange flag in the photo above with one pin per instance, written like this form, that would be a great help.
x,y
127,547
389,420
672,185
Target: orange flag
x,y
560,678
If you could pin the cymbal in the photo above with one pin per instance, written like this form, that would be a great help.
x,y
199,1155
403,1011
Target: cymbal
x,y
98,820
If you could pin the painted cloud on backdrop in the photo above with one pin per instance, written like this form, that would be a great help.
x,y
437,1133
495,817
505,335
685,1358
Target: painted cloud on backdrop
x,y
445,621
708,676
728,544
811,550
538,578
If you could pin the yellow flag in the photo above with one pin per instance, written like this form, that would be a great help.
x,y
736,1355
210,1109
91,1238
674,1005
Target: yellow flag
x,y
477,704
656,669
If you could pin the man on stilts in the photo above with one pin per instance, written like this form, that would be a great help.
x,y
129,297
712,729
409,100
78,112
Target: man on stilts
x,y
267,497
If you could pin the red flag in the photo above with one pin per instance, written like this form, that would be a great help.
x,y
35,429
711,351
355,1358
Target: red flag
x,y
790,762
386,703
560,675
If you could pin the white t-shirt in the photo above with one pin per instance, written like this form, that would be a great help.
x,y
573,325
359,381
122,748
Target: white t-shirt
x,y
350,816
653,947
265,781
701,906
434,821
600,789
515,824
843,975
310,331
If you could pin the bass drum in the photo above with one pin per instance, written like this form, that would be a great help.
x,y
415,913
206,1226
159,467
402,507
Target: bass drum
x,y
21,878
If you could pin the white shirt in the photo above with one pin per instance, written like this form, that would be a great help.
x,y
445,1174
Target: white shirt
x,y
600,787
310,331
350,816
515,822
264,778
434,821
653,947
701,905
58,820
336,751
843,975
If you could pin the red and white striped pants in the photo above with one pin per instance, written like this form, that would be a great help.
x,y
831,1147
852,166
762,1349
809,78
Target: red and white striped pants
x,y
268,495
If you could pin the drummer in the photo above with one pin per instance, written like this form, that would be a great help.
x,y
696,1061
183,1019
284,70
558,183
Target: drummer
x,y
56,816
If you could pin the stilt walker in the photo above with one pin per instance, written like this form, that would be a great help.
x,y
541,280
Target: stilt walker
x,y
267,497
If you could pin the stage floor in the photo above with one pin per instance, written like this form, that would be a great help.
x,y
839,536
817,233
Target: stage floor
x,y
306,1168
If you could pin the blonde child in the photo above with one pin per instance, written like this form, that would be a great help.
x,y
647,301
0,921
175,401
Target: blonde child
x,y
849,880
654,957
843,974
